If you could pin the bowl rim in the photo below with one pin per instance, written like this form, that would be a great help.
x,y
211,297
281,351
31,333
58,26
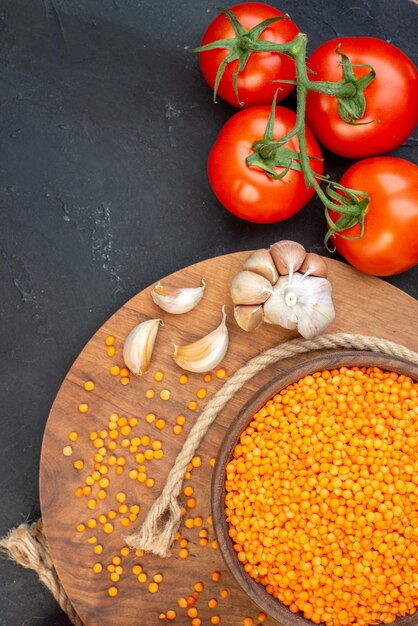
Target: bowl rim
x,y
329,360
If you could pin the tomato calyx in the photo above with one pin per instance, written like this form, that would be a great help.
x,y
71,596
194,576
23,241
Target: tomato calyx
x,y
240,47
352,107
349,91
352,205
270,154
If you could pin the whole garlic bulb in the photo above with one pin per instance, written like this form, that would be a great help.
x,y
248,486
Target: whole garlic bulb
x,y
285,286
305,304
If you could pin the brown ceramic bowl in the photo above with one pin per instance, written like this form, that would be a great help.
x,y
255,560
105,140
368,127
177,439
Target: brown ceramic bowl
x,y
254,590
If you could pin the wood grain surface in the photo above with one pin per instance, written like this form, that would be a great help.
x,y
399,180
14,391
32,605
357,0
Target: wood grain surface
x,y
363,305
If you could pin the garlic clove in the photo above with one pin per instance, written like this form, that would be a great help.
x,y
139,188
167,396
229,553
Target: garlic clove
x,y
288,256
314,265
206,353
250,288
276,311
177,300
315,309
139,344
249,316
261,262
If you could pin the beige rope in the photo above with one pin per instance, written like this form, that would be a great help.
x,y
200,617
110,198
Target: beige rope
x,y
163,519
26,545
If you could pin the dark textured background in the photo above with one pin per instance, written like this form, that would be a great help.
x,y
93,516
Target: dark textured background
x,y
105,128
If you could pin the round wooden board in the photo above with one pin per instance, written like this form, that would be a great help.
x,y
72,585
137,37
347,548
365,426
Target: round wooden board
x,y
363,304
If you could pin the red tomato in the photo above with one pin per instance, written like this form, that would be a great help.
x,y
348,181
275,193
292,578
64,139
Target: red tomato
x,y
248,192
254,81
391,98
390,241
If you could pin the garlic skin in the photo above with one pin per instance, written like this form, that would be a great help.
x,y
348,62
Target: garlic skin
x,y
205,353
177,300
304,303
139,344
314,265
288,256
261,262
250,288
248,317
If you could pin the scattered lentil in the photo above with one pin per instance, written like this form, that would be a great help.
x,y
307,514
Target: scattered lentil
x,y
89,385
67,451
108,528
183,379
220,373
83,407
196,461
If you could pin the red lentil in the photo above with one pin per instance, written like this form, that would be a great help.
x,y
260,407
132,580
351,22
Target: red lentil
x,y
329,472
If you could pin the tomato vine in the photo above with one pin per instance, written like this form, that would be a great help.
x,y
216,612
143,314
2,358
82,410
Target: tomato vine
x,y
350,204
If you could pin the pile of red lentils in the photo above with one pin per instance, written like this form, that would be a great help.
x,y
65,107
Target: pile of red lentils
x,y
121,448
322,497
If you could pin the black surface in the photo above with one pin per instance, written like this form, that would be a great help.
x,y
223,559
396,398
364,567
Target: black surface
x,y
105,128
